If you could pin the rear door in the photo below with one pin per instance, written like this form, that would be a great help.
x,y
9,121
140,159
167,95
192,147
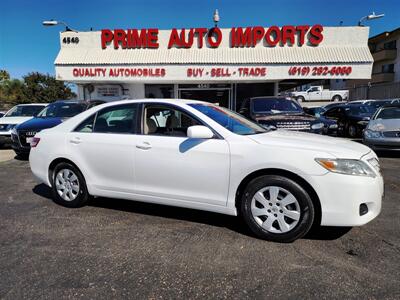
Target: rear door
x,y
104,146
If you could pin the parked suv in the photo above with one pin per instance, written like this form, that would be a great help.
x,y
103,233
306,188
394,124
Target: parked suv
x,y
280,113
54,114
17,115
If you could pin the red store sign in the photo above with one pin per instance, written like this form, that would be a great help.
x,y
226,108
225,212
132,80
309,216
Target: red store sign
x,y
199,37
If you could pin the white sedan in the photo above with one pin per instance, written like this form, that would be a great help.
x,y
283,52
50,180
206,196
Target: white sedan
x,y
198,155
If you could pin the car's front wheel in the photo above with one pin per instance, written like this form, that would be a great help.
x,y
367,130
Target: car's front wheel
x,y
277,208
69,186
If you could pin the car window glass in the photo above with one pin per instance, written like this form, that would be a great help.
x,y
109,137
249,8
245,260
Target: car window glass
x,y
62,110
87,125
116,119
229,119
389,113
275,105
168,121
24,111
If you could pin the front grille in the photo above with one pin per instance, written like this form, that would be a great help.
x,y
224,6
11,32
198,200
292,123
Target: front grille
x,y
298,125
391,134
22,135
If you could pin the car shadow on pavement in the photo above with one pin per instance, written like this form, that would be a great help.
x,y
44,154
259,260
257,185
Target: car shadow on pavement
x,y
191,215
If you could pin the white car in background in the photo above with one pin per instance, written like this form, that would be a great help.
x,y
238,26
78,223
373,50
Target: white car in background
x,y
318,93
17,115
198,155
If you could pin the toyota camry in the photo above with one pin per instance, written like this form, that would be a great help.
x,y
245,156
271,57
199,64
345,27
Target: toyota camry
x,y
198,155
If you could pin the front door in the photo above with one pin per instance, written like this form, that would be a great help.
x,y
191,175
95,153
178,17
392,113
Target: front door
x,y
169,165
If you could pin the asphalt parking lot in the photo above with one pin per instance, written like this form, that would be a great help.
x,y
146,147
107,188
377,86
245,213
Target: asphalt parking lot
x,y
121,249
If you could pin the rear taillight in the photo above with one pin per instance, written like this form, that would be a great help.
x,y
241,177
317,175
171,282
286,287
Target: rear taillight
x,y
35,141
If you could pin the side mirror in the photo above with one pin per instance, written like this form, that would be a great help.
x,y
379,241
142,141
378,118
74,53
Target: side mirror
x,y
199,132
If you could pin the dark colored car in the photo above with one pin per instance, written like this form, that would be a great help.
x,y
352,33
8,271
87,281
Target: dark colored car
x,y
351,119
330,127
280,112
54,114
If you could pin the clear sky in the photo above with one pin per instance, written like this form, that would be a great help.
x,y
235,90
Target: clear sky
x,y
26,46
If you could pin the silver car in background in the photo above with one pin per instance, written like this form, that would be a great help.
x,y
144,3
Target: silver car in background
x,y
383,130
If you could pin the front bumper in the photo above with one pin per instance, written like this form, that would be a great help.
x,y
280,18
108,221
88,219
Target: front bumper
x,y
342,195
18,145
383,143
5,138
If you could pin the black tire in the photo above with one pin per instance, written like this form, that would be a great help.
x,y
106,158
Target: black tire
x,y
82,195
336,98
351,130
300,99
305,204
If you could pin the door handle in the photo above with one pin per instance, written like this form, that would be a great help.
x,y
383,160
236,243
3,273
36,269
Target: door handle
x,y
75,140
144,146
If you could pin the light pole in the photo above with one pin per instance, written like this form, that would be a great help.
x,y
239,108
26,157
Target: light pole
x,y
55,22
372,16
216,18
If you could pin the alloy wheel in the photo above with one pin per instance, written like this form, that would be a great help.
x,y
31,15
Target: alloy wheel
x,y
275,209
67,184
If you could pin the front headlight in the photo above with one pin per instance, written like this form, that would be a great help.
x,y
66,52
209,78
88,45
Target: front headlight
x,y
346,166
317,126
11,126
370,134
333,126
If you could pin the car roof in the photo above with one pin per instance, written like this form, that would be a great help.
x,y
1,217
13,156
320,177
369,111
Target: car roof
x,y
158,100
30,104
391,105
271,97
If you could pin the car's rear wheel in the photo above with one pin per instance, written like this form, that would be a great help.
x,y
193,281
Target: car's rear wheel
x,y
69,186
351,130
300,99
277,208
336,98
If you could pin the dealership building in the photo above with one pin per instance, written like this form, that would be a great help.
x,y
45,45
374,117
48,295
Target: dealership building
x,y
219,65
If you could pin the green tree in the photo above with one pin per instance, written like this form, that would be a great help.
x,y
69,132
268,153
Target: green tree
x,y
4,75
45,88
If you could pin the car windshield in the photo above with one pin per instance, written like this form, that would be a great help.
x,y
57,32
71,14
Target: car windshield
x,y
275,106
62,110
377,104
389,113
229,119
24,111
360,109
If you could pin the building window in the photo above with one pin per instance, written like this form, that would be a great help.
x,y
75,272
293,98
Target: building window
x,y
159,91
388,68
390,45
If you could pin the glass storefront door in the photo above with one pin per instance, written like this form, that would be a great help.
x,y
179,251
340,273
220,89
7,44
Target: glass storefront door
x,y
220,94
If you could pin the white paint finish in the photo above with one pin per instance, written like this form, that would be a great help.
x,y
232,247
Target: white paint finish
x,y
183,169
318,93
207,175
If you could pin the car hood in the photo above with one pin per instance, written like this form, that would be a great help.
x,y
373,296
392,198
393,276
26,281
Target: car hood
x,y
384,125
337,147
39,123
285,117
14,120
